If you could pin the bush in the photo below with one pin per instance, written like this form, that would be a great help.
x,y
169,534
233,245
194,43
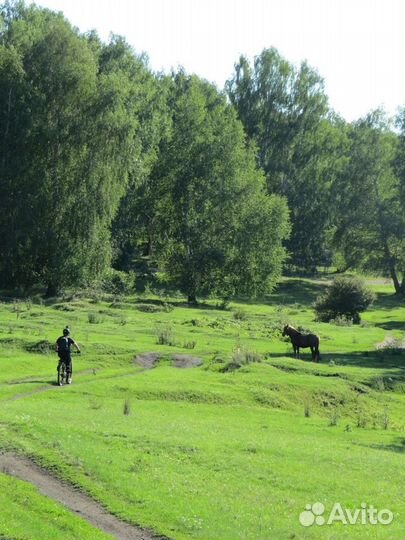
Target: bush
x,y
117,282
94,318
127,407
391,345
239,315
189,344
165,335
342,320
346,297
41,347
241,357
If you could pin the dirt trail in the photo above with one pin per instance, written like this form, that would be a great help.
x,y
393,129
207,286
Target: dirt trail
x,y
39,389
71,498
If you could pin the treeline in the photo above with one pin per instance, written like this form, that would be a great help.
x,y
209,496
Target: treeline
x,y
104,163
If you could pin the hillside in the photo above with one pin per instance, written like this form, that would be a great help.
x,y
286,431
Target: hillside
x,y
220,433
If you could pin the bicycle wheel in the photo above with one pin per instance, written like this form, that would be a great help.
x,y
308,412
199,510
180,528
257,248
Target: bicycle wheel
x,y
61,373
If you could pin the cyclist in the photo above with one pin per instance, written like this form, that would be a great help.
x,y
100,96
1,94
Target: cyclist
x,y
62,347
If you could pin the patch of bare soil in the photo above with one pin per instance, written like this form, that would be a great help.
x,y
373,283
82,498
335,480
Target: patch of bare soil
x,y
76,501
147,360
186,361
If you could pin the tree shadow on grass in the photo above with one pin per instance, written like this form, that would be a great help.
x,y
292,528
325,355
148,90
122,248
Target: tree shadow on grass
x,y
387,301
30,381
292,291
398,446
367,359
201,304
391,325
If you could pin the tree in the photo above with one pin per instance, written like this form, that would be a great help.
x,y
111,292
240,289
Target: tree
x,y
370,230
285,112
399,168
216,230
70,141
133,227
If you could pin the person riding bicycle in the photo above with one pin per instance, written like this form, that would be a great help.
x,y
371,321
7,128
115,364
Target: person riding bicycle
x,y
63,344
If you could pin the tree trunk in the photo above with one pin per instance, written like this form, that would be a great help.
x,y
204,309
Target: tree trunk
x,y
395,279
399,286
52,290
191,299
401,289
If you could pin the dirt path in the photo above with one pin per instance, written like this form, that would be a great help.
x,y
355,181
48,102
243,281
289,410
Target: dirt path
x,y
76,501
38,389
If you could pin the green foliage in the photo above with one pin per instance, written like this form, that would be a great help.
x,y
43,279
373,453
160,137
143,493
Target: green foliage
x,y
71,141
346,297
334,417
215,229
284,111
165,335
117,282
242,356
126,407
94,318
342,320
240,314
369,229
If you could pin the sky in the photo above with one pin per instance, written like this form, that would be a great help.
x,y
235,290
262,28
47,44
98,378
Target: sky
x,y
357,46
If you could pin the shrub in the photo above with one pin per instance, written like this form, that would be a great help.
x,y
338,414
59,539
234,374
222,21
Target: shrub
x,y
122,320
334,417
165,335
391,345
127,407
342,320
239,315
41,347
345,297
223,305
63,307
307,408
385,419
150,308
361,418
241,357
94,318
189,344
117,282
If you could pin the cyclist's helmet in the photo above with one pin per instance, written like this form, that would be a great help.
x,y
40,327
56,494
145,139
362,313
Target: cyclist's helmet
x,y
66,331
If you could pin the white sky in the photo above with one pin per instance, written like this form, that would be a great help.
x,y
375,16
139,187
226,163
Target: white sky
x,y
357,46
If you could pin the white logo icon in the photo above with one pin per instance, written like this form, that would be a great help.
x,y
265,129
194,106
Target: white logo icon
x,y
367,514
312,514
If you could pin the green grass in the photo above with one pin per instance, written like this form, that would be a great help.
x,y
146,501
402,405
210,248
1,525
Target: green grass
x,y
207,452
26,514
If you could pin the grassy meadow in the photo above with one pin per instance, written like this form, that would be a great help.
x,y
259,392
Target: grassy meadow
x,y
234,448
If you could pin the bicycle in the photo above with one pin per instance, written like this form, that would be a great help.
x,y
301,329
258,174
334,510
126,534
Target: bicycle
x,y
62,373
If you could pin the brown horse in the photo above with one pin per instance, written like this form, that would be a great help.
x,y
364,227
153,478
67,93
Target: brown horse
x,y
299,340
